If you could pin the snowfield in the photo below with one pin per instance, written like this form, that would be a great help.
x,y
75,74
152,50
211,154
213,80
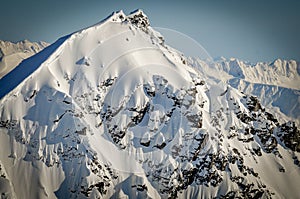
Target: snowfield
x,y
110,111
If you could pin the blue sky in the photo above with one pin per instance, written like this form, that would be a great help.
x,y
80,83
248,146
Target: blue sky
x,y
249,30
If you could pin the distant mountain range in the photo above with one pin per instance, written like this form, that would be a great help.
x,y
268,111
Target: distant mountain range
x,y
111,111
276,84
11,54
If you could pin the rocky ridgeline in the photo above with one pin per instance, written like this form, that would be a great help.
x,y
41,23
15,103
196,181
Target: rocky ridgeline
x,y
199,165
66,148
205,168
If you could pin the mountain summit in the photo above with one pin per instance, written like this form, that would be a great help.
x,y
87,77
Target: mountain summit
x,y
111,111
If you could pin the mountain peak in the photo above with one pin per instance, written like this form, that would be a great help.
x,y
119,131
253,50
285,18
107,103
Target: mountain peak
x,y
136,17
277,62
139,19
138,12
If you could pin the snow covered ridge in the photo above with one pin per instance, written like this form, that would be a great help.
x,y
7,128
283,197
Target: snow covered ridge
x,y
276,84
110,111
284,73
11,54
273,83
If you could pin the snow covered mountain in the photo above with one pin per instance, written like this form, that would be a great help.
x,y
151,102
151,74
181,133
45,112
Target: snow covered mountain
x,y
273,83
279,73
11,54
110,111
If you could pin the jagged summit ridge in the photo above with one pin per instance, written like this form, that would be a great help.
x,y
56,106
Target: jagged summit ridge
x,y
136,17
110,111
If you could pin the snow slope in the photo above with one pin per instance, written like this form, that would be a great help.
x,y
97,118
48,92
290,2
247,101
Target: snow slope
x,y
11,54
110,111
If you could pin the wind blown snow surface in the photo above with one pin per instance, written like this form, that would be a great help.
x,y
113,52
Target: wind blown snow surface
x,y
110,111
